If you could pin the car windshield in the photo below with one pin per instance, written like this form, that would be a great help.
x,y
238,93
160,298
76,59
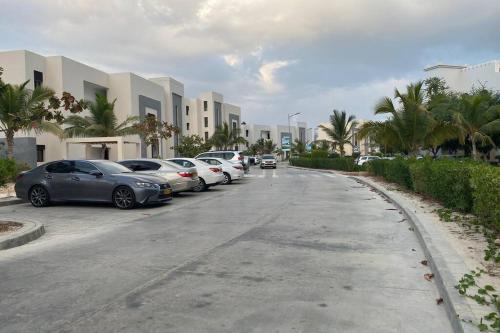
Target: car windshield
x,y
110,167
268,157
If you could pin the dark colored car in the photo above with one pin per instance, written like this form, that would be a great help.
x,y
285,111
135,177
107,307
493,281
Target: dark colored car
x,y
90,181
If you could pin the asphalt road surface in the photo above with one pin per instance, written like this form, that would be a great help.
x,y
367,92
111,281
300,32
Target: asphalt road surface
x,y
284,250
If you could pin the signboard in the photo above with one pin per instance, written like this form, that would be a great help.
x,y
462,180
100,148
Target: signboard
x,y
285,142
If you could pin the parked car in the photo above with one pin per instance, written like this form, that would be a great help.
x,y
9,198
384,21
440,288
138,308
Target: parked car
x,y
363,159
231,171
231,156
91,181
181,179
208,175
268,161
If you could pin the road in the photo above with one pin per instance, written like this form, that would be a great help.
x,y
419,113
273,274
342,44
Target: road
x,y
285,250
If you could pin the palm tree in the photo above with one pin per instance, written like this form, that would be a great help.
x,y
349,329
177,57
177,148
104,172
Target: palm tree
x,y
298,147
269,147
341,129
382,132
22,109
102,122
226,137
476,119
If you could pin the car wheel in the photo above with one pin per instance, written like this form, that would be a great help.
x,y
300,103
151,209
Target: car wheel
x,y
261,167
274,167
201,186
124,197
39,196
227,179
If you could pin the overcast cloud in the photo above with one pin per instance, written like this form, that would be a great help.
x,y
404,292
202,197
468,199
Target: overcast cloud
x,y
271,57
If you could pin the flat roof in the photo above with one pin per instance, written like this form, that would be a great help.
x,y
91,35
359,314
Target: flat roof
x,y
445,66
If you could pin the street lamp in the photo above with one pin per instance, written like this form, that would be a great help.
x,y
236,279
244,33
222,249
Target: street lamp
x,y
290,132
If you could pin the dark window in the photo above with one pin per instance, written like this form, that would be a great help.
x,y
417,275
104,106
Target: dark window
x,y
234,125
228,156
187,110
40,153
206,136
83,167
146,165
204,155
205,119
246,133
37,78
268,135
205,105
59,167
187,126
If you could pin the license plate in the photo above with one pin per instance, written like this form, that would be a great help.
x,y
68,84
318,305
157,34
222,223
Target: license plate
x,y
167,191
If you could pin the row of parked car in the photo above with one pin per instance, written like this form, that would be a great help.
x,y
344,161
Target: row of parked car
x,y
127,183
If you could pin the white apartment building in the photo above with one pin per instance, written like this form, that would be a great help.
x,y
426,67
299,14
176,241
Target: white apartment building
x,y
365,146
463,78
279,134
162,97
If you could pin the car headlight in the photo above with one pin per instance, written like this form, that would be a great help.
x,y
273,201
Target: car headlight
x,y
144,185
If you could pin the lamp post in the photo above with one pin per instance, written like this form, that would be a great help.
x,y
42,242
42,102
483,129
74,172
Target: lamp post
x,y
290,132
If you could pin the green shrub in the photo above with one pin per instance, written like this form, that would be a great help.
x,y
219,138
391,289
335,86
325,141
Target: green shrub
x,y
377,167
319,154
485,183
397,171
341,163
8,170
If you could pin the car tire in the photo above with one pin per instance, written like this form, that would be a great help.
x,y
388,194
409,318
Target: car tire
x,y
274,167
227,179
39,196
124,197
262,167
202,186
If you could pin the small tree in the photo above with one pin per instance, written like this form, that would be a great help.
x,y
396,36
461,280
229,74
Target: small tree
x,y
23,109
192,145
298,147
152,130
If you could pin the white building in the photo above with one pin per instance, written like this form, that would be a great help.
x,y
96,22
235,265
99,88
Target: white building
x,y
463,78
161,97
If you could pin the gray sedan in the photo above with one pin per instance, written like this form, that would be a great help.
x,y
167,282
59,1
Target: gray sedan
x,y
90,181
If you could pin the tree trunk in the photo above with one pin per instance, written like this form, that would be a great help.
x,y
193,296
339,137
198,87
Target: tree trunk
x,y
9,137
474,150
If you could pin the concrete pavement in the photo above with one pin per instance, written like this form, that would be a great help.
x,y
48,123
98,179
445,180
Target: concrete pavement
x,y
285,250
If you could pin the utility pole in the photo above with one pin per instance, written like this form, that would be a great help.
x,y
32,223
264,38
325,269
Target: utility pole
x,y
290,133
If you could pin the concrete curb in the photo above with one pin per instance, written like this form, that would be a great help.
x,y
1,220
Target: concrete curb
x,y
455,304
10,201
31,230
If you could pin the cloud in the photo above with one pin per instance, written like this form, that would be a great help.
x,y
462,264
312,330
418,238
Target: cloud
x,y
232,60
267,75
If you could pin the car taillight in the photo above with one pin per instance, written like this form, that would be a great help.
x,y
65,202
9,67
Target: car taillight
x,y
239,167
185,174
215,169
240,158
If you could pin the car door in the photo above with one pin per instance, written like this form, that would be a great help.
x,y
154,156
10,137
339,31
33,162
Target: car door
x,y
58,180
88,186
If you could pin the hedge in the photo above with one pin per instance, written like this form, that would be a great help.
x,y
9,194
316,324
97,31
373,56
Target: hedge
x,y
9,169
467,186
340,163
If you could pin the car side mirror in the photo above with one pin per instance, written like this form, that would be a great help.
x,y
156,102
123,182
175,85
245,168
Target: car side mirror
x,y
96,173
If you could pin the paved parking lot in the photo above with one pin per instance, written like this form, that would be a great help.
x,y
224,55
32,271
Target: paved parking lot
x,y
283,250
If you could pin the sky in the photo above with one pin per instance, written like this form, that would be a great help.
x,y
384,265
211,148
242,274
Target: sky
x,y
271,57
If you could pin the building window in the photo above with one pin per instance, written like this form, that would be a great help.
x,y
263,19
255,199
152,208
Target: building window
x,y
206,136
40,153
246,133
37,78
187,126
205,119
268,135
205,105
235,124
187,110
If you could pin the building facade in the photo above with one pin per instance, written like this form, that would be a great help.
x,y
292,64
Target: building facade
x,y
463,78
161,97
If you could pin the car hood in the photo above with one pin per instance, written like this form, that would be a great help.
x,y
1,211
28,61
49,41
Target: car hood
x,y
134,176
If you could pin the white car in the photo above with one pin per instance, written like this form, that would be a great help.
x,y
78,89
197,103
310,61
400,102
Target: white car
x,y
209,175
231,171
363,159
